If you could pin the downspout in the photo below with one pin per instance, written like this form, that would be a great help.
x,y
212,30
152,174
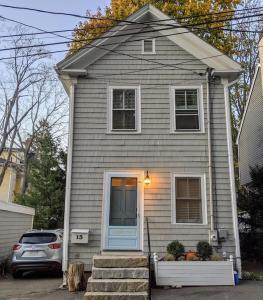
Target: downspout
x,y
210,173
68,180
232,175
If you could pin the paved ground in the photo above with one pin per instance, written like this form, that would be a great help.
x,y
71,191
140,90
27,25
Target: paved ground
x,y
43,288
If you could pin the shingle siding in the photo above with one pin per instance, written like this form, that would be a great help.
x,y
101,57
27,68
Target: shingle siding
x,y
155,149
12,226
251,136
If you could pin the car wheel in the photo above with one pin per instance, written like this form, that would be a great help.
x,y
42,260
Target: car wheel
x,y
16,274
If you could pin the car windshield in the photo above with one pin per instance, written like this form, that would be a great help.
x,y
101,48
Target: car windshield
x,y
38,238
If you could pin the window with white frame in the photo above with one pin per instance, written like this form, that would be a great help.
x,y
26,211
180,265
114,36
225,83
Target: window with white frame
x,y
188,200
187,113
125,108
148,46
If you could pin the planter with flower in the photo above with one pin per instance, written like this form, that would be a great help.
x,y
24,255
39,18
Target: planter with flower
x,y
192,268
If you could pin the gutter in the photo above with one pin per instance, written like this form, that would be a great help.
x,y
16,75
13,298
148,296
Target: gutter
x,y
210,174
68,179
231,175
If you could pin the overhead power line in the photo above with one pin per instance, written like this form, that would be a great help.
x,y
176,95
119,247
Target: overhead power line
x,y
126,21
43,32
108,37
30,26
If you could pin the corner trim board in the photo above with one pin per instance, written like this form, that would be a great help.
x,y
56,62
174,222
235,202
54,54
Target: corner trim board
x,y
232,177
68,178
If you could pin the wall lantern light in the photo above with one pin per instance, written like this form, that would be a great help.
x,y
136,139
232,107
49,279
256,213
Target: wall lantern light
x,y
147,179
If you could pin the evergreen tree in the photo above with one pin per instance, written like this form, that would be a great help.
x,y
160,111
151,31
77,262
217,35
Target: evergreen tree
x,y
46,182
250,204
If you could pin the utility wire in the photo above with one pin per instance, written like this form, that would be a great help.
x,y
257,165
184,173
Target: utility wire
x,y
118,20
122,21
29,26
102,37
94,28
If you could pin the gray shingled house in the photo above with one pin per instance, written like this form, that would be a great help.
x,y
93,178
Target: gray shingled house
x,y
149,136
250,136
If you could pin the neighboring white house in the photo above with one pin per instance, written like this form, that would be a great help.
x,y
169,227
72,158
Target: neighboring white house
x,y
149,136
250,136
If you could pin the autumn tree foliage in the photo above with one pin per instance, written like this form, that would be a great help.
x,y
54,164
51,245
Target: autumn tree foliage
x,y
207,17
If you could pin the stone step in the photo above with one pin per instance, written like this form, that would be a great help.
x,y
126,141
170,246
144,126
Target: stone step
x,y
103,261
116,273
115,296
117,285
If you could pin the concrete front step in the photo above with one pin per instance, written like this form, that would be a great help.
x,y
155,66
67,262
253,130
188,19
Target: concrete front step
x,y
102,261
115,296
117,285
116,273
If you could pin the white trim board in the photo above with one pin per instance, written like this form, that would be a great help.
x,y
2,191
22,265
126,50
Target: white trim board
x,y
68,176
232,177
248,101
203,199
16,208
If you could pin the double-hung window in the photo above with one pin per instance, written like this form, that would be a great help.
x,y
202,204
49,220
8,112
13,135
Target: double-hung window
x,y
188,199
187,109
125,109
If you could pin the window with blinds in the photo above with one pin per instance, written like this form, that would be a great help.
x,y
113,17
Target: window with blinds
x,y
188,199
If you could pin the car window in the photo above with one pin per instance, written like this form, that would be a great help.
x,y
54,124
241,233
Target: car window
x,y
38,238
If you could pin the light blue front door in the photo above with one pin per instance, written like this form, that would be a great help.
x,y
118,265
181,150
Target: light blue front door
x,y
123,224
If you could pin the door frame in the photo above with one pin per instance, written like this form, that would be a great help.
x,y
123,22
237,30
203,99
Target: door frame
x,y
139,174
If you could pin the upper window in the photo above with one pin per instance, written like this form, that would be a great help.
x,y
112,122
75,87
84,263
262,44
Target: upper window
x,y
148,46
125,109
186,109
188,200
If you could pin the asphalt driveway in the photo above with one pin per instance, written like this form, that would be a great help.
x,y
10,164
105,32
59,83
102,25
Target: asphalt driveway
x,y
42,288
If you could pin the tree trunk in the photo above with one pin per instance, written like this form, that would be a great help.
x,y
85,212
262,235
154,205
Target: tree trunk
x,y
76,277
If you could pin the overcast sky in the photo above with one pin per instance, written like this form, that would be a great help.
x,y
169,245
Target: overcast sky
x,y
49,22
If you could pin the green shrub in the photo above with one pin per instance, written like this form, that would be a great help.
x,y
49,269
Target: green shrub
x,y
251,276
176,249
204,249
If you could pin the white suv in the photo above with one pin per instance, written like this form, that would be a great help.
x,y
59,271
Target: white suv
x,y
39,250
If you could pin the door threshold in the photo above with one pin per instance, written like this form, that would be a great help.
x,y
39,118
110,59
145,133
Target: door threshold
x,y
122,252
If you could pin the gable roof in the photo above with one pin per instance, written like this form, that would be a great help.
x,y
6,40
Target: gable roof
x,y
78,63
257,72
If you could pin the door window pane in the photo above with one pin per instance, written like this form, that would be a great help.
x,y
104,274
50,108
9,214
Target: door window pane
x,y
123,201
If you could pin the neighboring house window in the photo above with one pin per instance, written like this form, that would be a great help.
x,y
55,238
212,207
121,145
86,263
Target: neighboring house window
x,y
148,46
188,199
187,109
125,109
